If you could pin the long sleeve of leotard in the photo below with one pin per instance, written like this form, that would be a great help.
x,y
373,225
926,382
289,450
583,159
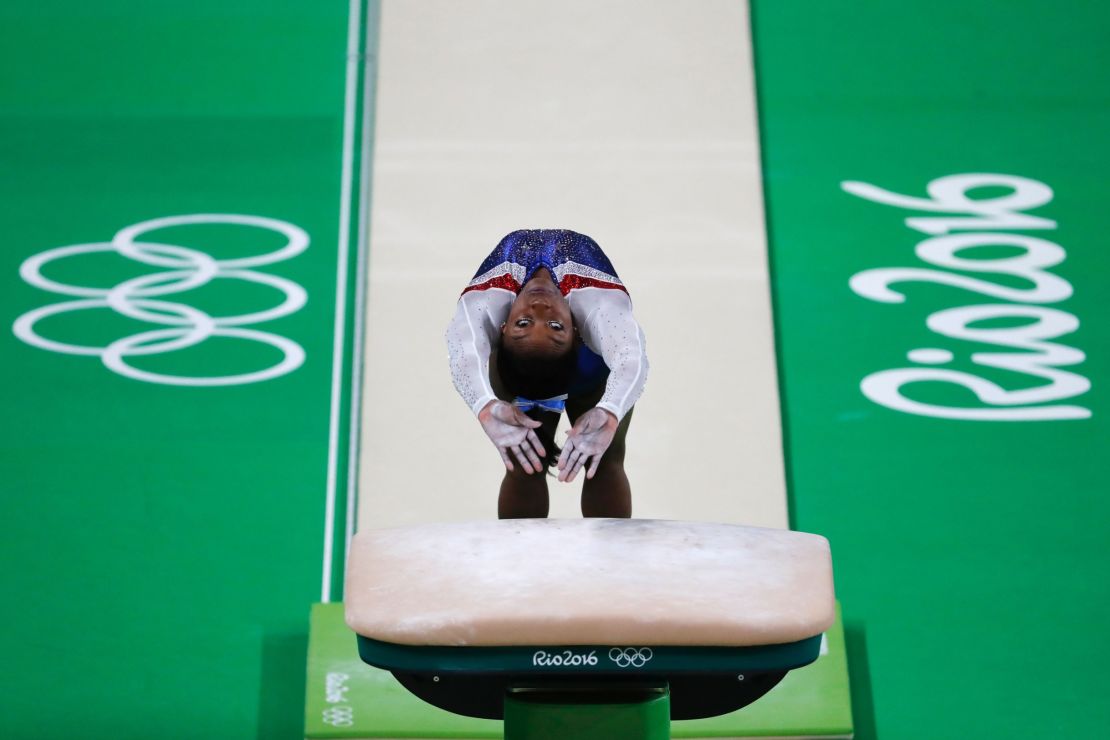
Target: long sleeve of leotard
x,y
470,338
606,324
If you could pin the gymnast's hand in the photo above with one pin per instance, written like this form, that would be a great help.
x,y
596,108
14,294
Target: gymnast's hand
x,y
509,428
586,441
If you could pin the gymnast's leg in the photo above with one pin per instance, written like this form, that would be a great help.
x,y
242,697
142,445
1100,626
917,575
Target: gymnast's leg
x,y
608,493
524,495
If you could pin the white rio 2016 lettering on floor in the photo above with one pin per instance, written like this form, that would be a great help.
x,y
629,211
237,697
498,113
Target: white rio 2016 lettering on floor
x,y
339,714
335,688
985,219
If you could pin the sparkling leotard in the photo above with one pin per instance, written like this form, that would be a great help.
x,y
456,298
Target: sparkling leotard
x,y
598,301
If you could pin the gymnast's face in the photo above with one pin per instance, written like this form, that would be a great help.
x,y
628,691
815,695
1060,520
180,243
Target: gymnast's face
x,y
539,319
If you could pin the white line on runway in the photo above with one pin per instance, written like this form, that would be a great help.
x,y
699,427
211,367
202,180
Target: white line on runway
x,y
354,420
354,24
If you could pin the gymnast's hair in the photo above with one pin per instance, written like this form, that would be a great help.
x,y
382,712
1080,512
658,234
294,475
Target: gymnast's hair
x,y
537,375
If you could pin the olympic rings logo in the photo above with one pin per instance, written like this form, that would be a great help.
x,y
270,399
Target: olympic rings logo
x,y
339,716
141,298
630,657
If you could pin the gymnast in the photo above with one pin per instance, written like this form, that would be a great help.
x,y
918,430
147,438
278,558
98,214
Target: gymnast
x,y
546,326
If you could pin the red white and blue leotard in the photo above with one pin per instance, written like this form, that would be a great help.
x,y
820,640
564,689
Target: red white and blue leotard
x,y
598,301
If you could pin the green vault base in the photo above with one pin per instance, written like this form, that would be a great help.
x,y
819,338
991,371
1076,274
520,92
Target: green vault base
x,y
345,698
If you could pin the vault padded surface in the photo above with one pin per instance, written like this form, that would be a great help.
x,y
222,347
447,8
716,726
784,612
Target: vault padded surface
x,y
588,582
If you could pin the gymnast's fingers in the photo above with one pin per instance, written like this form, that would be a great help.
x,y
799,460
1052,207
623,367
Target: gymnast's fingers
x,y
566,473
593,467
578,463
522,459
505,458
524,420
568,449
534,440
532,457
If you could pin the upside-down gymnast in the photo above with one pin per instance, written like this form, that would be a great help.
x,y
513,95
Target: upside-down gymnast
x,y
545,326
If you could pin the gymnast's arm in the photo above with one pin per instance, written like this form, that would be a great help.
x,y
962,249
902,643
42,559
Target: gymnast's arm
x,y
470,338
606,324
609,329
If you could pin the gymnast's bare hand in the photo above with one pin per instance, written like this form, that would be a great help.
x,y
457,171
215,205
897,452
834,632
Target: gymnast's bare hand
x,y
586,443
509,428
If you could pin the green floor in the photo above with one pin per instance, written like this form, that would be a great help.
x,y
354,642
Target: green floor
x,y
971,556
162,543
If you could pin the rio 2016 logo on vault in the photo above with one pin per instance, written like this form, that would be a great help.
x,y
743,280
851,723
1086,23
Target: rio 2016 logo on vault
x,y
143,298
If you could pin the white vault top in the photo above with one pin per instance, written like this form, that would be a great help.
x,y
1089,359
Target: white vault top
x,y
588,582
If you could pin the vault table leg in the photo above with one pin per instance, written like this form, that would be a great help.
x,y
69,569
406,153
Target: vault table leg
x,y
552,712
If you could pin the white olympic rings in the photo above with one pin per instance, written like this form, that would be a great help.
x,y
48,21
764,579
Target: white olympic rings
x,y
139,298
341,716
630,657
